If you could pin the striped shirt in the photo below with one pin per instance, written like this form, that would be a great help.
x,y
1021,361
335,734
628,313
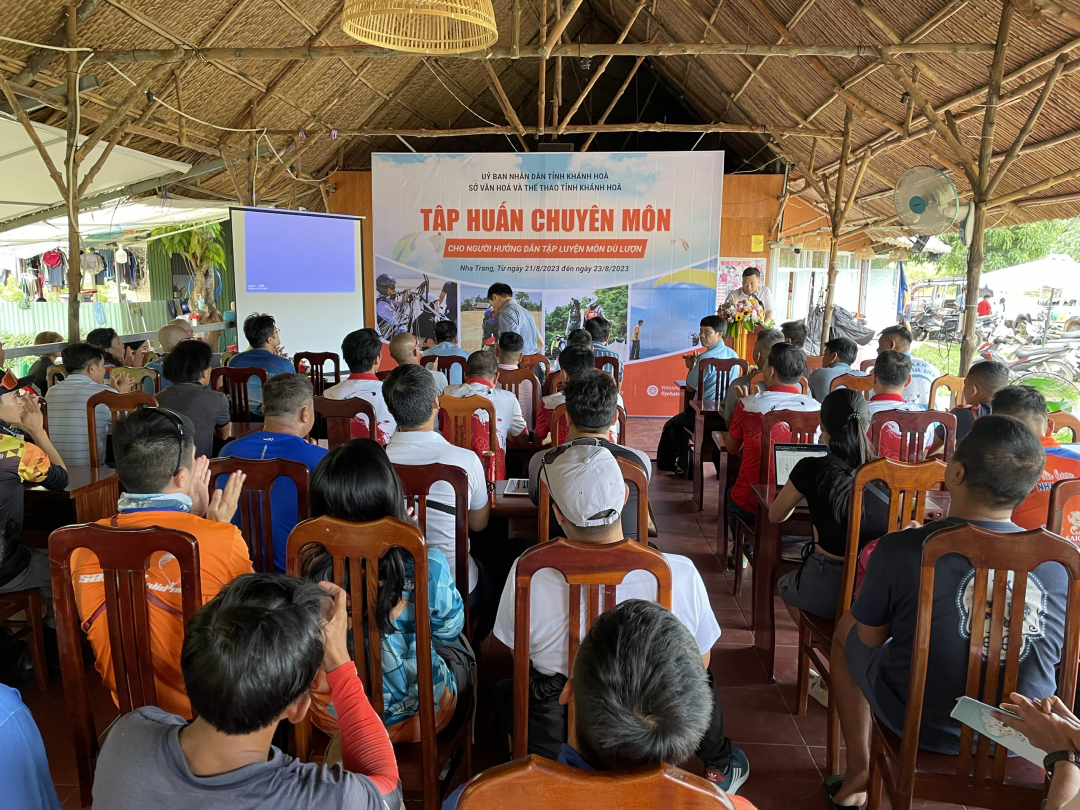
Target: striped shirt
x,y
66,402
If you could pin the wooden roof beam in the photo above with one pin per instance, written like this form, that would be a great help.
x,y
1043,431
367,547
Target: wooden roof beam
x,y
798,15
41,59
508,109
614,100
599,128
887,30
557,30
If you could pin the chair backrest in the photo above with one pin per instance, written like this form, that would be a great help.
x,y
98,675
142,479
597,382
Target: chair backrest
x,y
1061,510
457,425
417,480
531,361
124,556
317,362
382,375
863,384
912,426
560,424
117,404
339,415
631,473
813,362
722,379
511,380
446,364
543,784
1001,563
1063,420
140,374
956,391
758,378
554,382
583,567
908,485
54,374
867,365
357,548
256,522
804,426
612,365
234,383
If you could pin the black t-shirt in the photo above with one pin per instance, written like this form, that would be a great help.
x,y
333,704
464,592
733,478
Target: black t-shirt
x,y
20,461
965,418
39,372
825,482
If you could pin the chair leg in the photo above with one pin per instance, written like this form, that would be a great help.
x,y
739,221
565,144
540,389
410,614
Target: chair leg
x,y
721,515
738,559
832,740
37,640
802,683
875,785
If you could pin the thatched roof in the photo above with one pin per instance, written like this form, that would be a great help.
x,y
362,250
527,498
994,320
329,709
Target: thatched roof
x,y
335,111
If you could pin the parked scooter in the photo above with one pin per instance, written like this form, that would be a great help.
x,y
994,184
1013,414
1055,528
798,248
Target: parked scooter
x,y
931,324
1053,358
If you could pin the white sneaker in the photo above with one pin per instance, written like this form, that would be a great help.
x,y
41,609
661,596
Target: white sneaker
x,y
818,689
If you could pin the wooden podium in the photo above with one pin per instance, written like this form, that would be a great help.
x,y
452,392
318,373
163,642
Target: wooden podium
x,y
743,343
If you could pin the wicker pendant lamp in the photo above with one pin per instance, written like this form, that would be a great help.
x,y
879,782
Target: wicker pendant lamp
x,y
422,26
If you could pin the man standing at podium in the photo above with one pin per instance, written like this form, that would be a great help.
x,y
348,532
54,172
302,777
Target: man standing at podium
x,y
753,289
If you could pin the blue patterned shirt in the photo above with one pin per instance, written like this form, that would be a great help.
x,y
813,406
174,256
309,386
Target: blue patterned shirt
x,y
718,351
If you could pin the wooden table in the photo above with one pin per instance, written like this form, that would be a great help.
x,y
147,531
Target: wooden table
x,y
708,418
767,559
512,505
238,429
91,494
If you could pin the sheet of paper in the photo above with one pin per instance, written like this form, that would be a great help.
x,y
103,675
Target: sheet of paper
x,y
980,717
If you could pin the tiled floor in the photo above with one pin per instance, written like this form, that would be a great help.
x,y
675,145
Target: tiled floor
x,y
786,751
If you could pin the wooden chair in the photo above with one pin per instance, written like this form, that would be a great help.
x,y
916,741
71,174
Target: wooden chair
x,y
758,378
456,423
511,380
124,556
554,382
956,391
54,374
117,404
1063,420
417,482
908,485
317,362
357,549
27,604
542,784
139,375
560,425
708,414
234,383
632,474
446,363
867,365
912,427
382,375
531,361
612,365
813,362
804,428
582,566
256,520
863,384
1060,494
977,779
340,415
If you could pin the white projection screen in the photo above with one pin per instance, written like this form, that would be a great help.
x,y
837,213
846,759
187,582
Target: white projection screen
x,y
305,269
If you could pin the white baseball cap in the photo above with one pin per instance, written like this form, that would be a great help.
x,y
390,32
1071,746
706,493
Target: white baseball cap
x,y
586,484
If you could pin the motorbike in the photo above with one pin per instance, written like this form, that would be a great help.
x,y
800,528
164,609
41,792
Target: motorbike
x,y
932,324
1053,358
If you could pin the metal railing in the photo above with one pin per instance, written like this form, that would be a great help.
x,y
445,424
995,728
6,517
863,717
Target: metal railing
x,y
50,348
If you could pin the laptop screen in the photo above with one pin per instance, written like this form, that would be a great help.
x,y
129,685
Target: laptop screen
x,y
786,456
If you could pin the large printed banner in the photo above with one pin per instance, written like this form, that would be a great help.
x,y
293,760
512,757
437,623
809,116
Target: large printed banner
x,y
634,237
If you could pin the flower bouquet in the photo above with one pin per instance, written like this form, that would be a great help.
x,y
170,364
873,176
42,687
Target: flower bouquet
x,y
741,316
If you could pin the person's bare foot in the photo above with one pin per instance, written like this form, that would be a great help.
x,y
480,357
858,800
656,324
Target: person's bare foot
x,y
852,792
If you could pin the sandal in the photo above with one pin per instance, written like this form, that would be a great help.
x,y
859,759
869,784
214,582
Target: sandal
x,y
832,786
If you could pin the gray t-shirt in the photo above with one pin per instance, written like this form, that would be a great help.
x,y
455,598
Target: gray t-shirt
x,y
205,408
142,766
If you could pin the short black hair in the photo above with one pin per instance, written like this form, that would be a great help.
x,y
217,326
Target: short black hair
x,y
1024,402
990,374
574,359
579,337
641,695
592,398
445,331
286,394
640,321
788,361
410,393
892,368
794,332
898,331
1002,459
751,271
102,338
481,364
361,349
845,349
259,328
148,444
77,356
598,328
187,361
714,322
253,650
498,288
511,343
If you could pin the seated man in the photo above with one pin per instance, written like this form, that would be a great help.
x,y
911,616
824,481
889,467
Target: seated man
x,y
508,352
579,337
289,412
766,339
626,713
405,350
164,485
795,333
836,360
1029,406
591,399
480,374
898,338
446,342
589,494
671,452
599,329
991,472
248,661
362,351
414,402
170,336
574,360
781,374
66,401
24,768
892,374
266,352
981,385
188,366
34,462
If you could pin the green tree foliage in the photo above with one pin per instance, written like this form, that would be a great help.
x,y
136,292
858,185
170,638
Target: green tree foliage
x,y
526,302
204,249
615,301
1016,244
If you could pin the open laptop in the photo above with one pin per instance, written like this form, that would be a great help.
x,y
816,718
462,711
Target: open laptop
x,y
786,456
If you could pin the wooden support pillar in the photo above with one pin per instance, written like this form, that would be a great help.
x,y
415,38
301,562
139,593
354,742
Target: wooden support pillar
x,y
836,220
541,92
71,169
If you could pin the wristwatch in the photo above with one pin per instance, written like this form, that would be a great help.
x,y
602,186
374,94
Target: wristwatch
x,y
1052,759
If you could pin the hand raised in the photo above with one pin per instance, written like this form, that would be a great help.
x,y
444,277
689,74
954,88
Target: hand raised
x,y
224,501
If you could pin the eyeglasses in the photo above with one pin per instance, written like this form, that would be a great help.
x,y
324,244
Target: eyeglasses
x,y
176,420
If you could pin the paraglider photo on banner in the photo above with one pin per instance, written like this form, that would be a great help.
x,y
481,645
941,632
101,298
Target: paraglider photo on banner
x,y
669,308
567,310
